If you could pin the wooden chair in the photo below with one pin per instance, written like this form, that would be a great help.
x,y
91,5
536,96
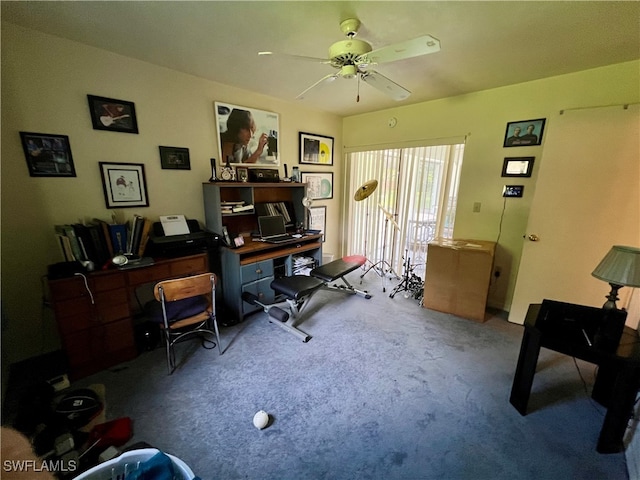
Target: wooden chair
x,y
188,308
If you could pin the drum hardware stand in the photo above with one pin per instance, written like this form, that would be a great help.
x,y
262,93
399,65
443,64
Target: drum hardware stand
x,y
378,267
411,283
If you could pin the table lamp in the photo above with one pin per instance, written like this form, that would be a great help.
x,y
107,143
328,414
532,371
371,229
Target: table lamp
x,y
620,267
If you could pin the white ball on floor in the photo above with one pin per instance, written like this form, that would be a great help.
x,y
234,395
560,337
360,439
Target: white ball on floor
x,y
261,419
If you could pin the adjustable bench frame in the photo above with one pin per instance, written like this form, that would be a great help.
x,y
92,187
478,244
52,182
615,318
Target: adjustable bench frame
x,y
299,289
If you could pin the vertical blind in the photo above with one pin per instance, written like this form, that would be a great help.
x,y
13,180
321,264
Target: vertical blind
x,y
415,202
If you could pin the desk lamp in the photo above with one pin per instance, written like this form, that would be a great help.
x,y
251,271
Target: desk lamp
x,y
620,267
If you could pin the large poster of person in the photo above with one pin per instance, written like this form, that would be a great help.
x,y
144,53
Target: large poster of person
x,y
247,136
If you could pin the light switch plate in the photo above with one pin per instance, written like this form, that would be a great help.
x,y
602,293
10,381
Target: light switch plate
x,y
512,190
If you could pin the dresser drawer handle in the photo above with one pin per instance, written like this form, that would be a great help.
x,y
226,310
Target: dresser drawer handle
x,y
259,271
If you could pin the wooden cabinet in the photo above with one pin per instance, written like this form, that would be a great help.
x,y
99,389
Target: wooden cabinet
x,y
94,311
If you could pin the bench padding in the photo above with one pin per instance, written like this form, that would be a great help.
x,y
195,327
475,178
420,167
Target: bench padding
x,y
296,286
338,268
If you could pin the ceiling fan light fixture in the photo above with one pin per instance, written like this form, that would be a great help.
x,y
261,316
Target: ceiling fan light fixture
x,y
348,71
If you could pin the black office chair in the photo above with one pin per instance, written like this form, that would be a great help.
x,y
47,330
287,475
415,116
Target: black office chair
x,y
187,307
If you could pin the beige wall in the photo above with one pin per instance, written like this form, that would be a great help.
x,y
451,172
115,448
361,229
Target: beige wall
x,y
45,82
483,116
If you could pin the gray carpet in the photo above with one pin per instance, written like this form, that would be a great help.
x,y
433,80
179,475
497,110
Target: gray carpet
x,y
385,389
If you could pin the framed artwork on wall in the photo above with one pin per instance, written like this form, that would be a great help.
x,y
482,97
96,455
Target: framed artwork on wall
x,y
524,133
517,166
48,155
316,149
319,184
112,115
175,158
247,136
124,185
318,219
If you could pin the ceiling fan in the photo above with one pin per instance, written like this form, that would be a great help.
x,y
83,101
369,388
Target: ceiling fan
x,y
354,59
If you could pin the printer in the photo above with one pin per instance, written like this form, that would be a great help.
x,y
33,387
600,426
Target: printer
x,y
196,241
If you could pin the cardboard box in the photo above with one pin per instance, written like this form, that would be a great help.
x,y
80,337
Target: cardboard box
x,y
458,277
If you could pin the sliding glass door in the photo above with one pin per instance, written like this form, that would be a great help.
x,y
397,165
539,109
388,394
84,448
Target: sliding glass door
x,y
414,202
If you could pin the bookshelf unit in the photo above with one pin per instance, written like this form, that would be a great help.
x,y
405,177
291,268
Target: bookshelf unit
x,y
251,194
252,267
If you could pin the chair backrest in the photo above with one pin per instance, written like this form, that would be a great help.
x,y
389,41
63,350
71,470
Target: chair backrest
x,y
186,287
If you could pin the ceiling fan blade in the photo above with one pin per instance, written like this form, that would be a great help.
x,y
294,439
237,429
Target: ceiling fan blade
x,y
298,57
399,51
329,78
386,86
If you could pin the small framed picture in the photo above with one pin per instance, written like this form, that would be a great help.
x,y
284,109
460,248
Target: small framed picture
x,y
517,166
319,184
524,133
238,241
316,149
113,115
124,185
318,219
242,174
48,155
175,158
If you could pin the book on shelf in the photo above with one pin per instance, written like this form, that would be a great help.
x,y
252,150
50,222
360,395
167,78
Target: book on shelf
x,y
242,208
65,247
67,231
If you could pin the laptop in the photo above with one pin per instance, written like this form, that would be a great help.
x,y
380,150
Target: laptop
x,y
273,230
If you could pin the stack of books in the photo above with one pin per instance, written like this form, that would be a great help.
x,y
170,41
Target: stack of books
x,y
227,208
99,241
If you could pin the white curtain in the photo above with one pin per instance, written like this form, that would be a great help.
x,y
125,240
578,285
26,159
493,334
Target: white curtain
x,y
415,202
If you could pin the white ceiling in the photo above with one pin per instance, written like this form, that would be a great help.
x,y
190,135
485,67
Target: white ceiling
x,y
484,44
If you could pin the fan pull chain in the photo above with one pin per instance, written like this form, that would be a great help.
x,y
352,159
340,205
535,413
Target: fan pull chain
x,y
358,93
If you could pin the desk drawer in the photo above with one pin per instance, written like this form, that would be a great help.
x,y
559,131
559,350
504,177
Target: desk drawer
x,y
189,266
256,271
261,289
150,274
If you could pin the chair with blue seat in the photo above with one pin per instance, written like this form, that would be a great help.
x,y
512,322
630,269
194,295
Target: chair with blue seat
x,y
185,307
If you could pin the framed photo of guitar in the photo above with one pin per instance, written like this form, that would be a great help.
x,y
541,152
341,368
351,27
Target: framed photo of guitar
x,y
112,115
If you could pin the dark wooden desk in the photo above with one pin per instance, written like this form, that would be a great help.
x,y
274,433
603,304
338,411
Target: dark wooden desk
x,y
618,376
95,312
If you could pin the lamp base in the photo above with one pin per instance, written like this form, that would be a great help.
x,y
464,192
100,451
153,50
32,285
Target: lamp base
x,y
610,304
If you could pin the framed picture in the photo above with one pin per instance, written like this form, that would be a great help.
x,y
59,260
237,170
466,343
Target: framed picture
x,y
517,166
318,219
48,155
316,149
242,174
124,185
113,115
175,158
319,185
247,136
524,133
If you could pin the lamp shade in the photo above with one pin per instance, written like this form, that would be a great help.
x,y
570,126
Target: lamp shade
x,y
621,266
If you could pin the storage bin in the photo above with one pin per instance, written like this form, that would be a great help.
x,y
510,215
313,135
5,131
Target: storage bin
x,y
114,469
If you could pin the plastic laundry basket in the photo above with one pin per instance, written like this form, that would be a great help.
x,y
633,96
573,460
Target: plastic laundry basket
x,y
114,469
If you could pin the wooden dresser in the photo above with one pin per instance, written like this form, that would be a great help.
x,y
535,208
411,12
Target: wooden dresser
x,y
95,312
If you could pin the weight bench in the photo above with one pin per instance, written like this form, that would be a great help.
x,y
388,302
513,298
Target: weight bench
x,y
298,290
